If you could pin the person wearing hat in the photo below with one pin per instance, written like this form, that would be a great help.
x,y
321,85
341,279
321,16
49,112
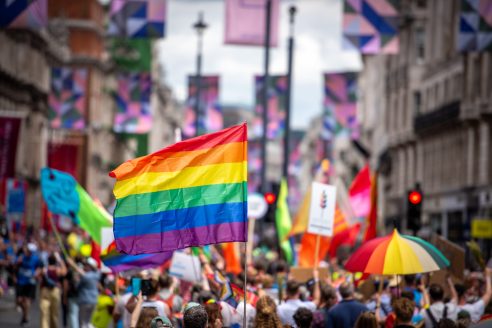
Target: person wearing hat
x,y
159,322
28,267
87,289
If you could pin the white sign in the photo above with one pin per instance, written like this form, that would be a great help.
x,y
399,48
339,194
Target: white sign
x,y
322,211
257,206
185,267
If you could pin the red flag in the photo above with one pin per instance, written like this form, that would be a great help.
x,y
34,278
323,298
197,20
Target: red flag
x,y
371,221
360,193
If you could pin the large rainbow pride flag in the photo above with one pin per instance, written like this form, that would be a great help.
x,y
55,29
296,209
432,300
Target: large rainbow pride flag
x,y
192,193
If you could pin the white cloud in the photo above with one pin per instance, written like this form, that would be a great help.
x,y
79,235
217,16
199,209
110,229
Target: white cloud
x,y
318,49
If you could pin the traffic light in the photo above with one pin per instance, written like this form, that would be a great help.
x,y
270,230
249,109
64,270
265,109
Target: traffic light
x,y
414,208
270,198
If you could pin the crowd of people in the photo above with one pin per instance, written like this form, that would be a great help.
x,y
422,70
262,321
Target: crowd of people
x,y
74,291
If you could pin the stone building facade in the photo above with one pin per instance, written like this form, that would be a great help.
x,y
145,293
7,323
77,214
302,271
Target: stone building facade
x,y
431,107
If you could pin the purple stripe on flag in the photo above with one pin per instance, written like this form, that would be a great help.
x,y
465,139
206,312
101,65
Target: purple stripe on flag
x,y
171,240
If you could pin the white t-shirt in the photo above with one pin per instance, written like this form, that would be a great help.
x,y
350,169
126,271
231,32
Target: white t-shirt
x,y
287,310
476,309
120,309
161,307
437,310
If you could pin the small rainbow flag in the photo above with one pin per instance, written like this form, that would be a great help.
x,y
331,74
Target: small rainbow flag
x,y
192,193
118,262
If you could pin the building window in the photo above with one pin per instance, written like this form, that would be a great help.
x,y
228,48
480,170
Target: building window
x,y
419,38
417,103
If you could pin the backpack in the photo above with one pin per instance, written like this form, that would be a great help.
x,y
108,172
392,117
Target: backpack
x,y
433,319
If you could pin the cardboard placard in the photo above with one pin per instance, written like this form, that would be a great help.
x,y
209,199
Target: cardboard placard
x,y
186,267
304,274
322,210
454,253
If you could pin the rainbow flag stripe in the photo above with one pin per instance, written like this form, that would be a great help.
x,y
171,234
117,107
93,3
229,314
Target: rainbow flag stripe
x,y
192,193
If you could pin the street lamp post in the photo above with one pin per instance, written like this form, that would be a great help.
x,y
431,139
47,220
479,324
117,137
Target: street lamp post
x,y
266,80
200,27
292,12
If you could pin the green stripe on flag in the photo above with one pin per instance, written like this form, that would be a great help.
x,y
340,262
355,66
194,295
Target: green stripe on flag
x,y
141,204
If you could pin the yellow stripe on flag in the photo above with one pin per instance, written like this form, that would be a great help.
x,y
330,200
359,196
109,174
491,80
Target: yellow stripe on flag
x,y
188,177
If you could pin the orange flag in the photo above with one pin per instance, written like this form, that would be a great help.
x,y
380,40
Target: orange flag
x,y
231,258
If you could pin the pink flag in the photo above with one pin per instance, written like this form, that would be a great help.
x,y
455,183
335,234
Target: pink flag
x,y
245,22
360,193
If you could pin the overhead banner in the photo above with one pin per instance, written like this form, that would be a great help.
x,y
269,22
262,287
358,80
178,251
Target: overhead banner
x,y
137,18
68,98
132,55
245,22
133,103
371,26
254,165
475,26
210,110
23,14
9,136
340,106
277,103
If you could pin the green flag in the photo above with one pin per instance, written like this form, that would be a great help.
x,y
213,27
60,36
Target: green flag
x,y
283,222
92,217
132,55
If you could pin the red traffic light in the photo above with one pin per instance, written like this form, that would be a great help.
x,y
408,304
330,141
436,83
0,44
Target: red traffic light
x,y
270,198
415,197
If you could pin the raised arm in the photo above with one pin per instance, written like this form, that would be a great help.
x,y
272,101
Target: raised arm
x,y
316,291
74,266
454,294
488,286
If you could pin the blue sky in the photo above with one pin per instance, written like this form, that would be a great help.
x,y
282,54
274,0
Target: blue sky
x,y
318,50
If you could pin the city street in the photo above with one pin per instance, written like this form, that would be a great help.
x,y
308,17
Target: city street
x,y
246,163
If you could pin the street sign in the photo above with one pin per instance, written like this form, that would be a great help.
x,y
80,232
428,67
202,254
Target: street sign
x,y
481,228
257,206
322,211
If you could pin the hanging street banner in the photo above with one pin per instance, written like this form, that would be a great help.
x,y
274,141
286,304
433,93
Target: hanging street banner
x,y
475,26
132,55
245,22
277,103
370,26
322,210
23,14
340,106
210,110
67,101
133,103
9,136
137,18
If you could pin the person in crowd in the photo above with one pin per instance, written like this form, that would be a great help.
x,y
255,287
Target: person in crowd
x,y
159,322
266,314
213,313
366,320
475,309
87,289
303,318
404,309
28,267
464,319
120,313
327,301
411,285
446,323
437,309
166,293
345,313
195,316
391,317
151,300
50,300
70,297
287,309
102,315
